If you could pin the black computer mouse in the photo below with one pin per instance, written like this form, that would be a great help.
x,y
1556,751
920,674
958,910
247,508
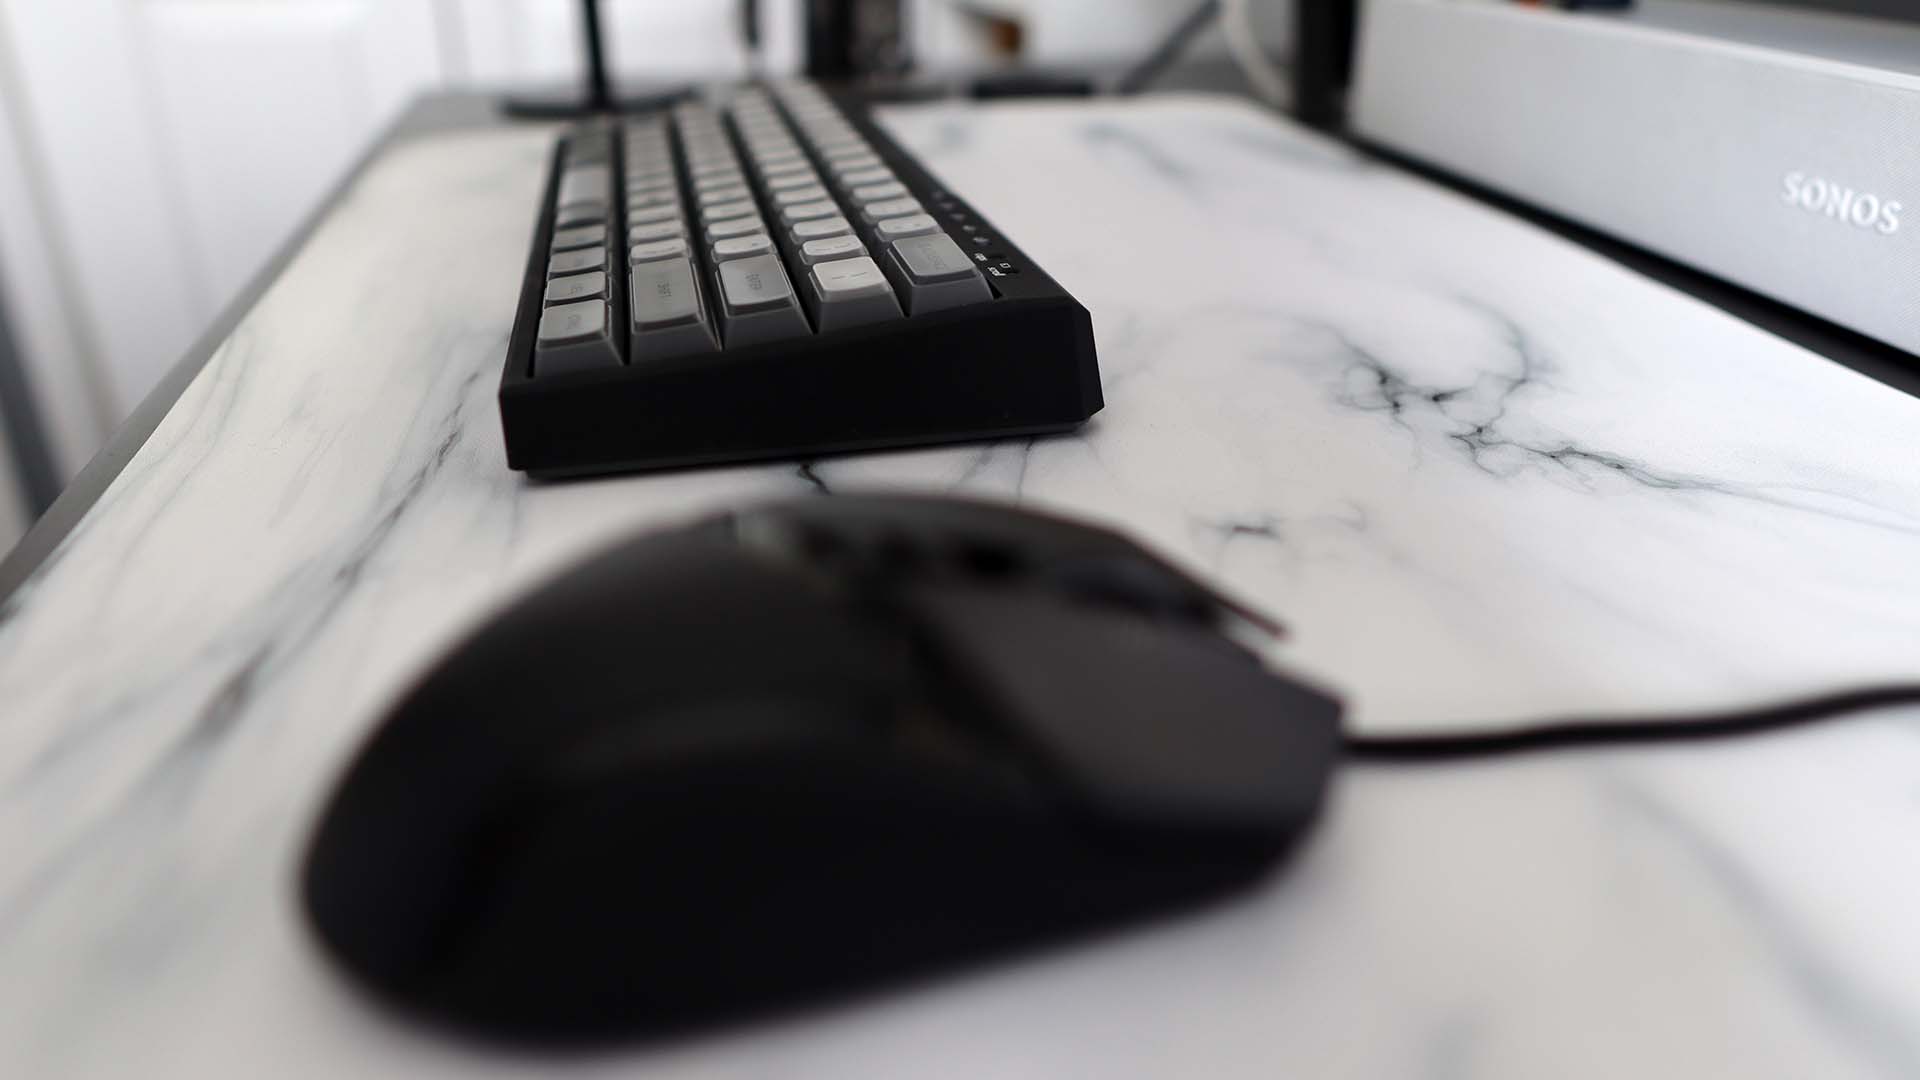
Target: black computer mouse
x,y
800,751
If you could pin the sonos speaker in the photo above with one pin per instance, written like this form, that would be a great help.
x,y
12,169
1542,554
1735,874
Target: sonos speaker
x,y
1755,147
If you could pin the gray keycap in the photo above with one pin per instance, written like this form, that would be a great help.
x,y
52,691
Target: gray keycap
x,y
580,213
584,182
833,247
902,227
819,228
742,247
726,210
574,337
853,178
791,180
729,193
715,181
889,208
809,211
932,273
849,292
572,262
799,194
799,167
722,230
871,192
579,237
758,302
760,148
658,230
588,286
653,196
668,317
657,249
845,163
647,215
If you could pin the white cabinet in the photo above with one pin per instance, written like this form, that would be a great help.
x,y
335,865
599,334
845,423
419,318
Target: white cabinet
x,y
156,152
180,140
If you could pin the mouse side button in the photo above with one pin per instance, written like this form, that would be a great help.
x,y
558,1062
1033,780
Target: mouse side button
x,y
1156,722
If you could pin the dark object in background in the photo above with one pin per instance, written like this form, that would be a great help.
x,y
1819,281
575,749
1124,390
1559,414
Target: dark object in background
x,y
1170,49
1027,84
801,750
852,40
1323,39
597,94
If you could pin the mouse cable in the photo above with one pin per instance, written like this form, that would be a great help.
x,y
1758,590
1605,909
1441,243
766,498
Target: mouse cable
x,y
1597,730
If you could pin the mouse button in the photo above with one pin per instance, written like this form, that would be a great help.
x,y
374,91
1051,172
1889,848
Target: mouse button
x,y
648,621
1154,723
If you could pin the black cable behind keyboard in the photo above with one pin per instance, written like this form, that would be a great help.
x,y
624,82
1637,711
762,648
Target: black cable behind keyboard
x,y
772,279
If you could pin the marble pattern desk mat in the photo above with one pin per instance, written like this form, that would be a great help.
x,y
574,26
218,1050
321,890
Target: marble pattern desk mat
x,y
1482,475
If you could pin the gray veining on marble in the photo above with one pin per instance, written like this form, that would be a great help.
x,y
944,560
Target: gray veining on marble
x,y
1482,475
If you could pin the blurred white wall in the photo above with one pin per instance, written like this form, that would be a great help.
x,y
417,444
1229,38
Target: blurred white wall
x,y
155,153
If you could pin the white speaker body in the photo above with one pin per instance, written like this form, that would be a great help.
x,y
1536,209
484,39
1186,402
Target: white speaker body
x,y
1794,173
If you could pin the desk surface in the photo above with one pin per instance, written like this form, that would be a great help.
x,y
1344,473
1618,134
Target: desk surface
x,y
1483,475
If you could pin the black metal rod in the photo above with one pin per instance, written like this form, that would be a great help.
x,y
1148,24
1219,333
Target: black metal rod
x,y
1170,48
32,454
599,92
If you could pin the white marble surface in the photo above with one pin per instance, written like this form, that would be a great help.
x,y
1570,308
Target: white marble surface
x,y
1482,475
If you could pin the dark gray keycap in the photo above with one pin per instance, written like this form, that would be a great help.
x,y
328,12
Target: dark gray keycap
x,y
572,262
588,286
849,292
758,302
574,337
932,274
668,317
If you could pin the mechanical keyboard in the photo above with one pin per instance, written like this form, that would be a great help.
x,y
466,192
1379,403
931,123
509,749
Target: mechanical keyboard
x,y
767,275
